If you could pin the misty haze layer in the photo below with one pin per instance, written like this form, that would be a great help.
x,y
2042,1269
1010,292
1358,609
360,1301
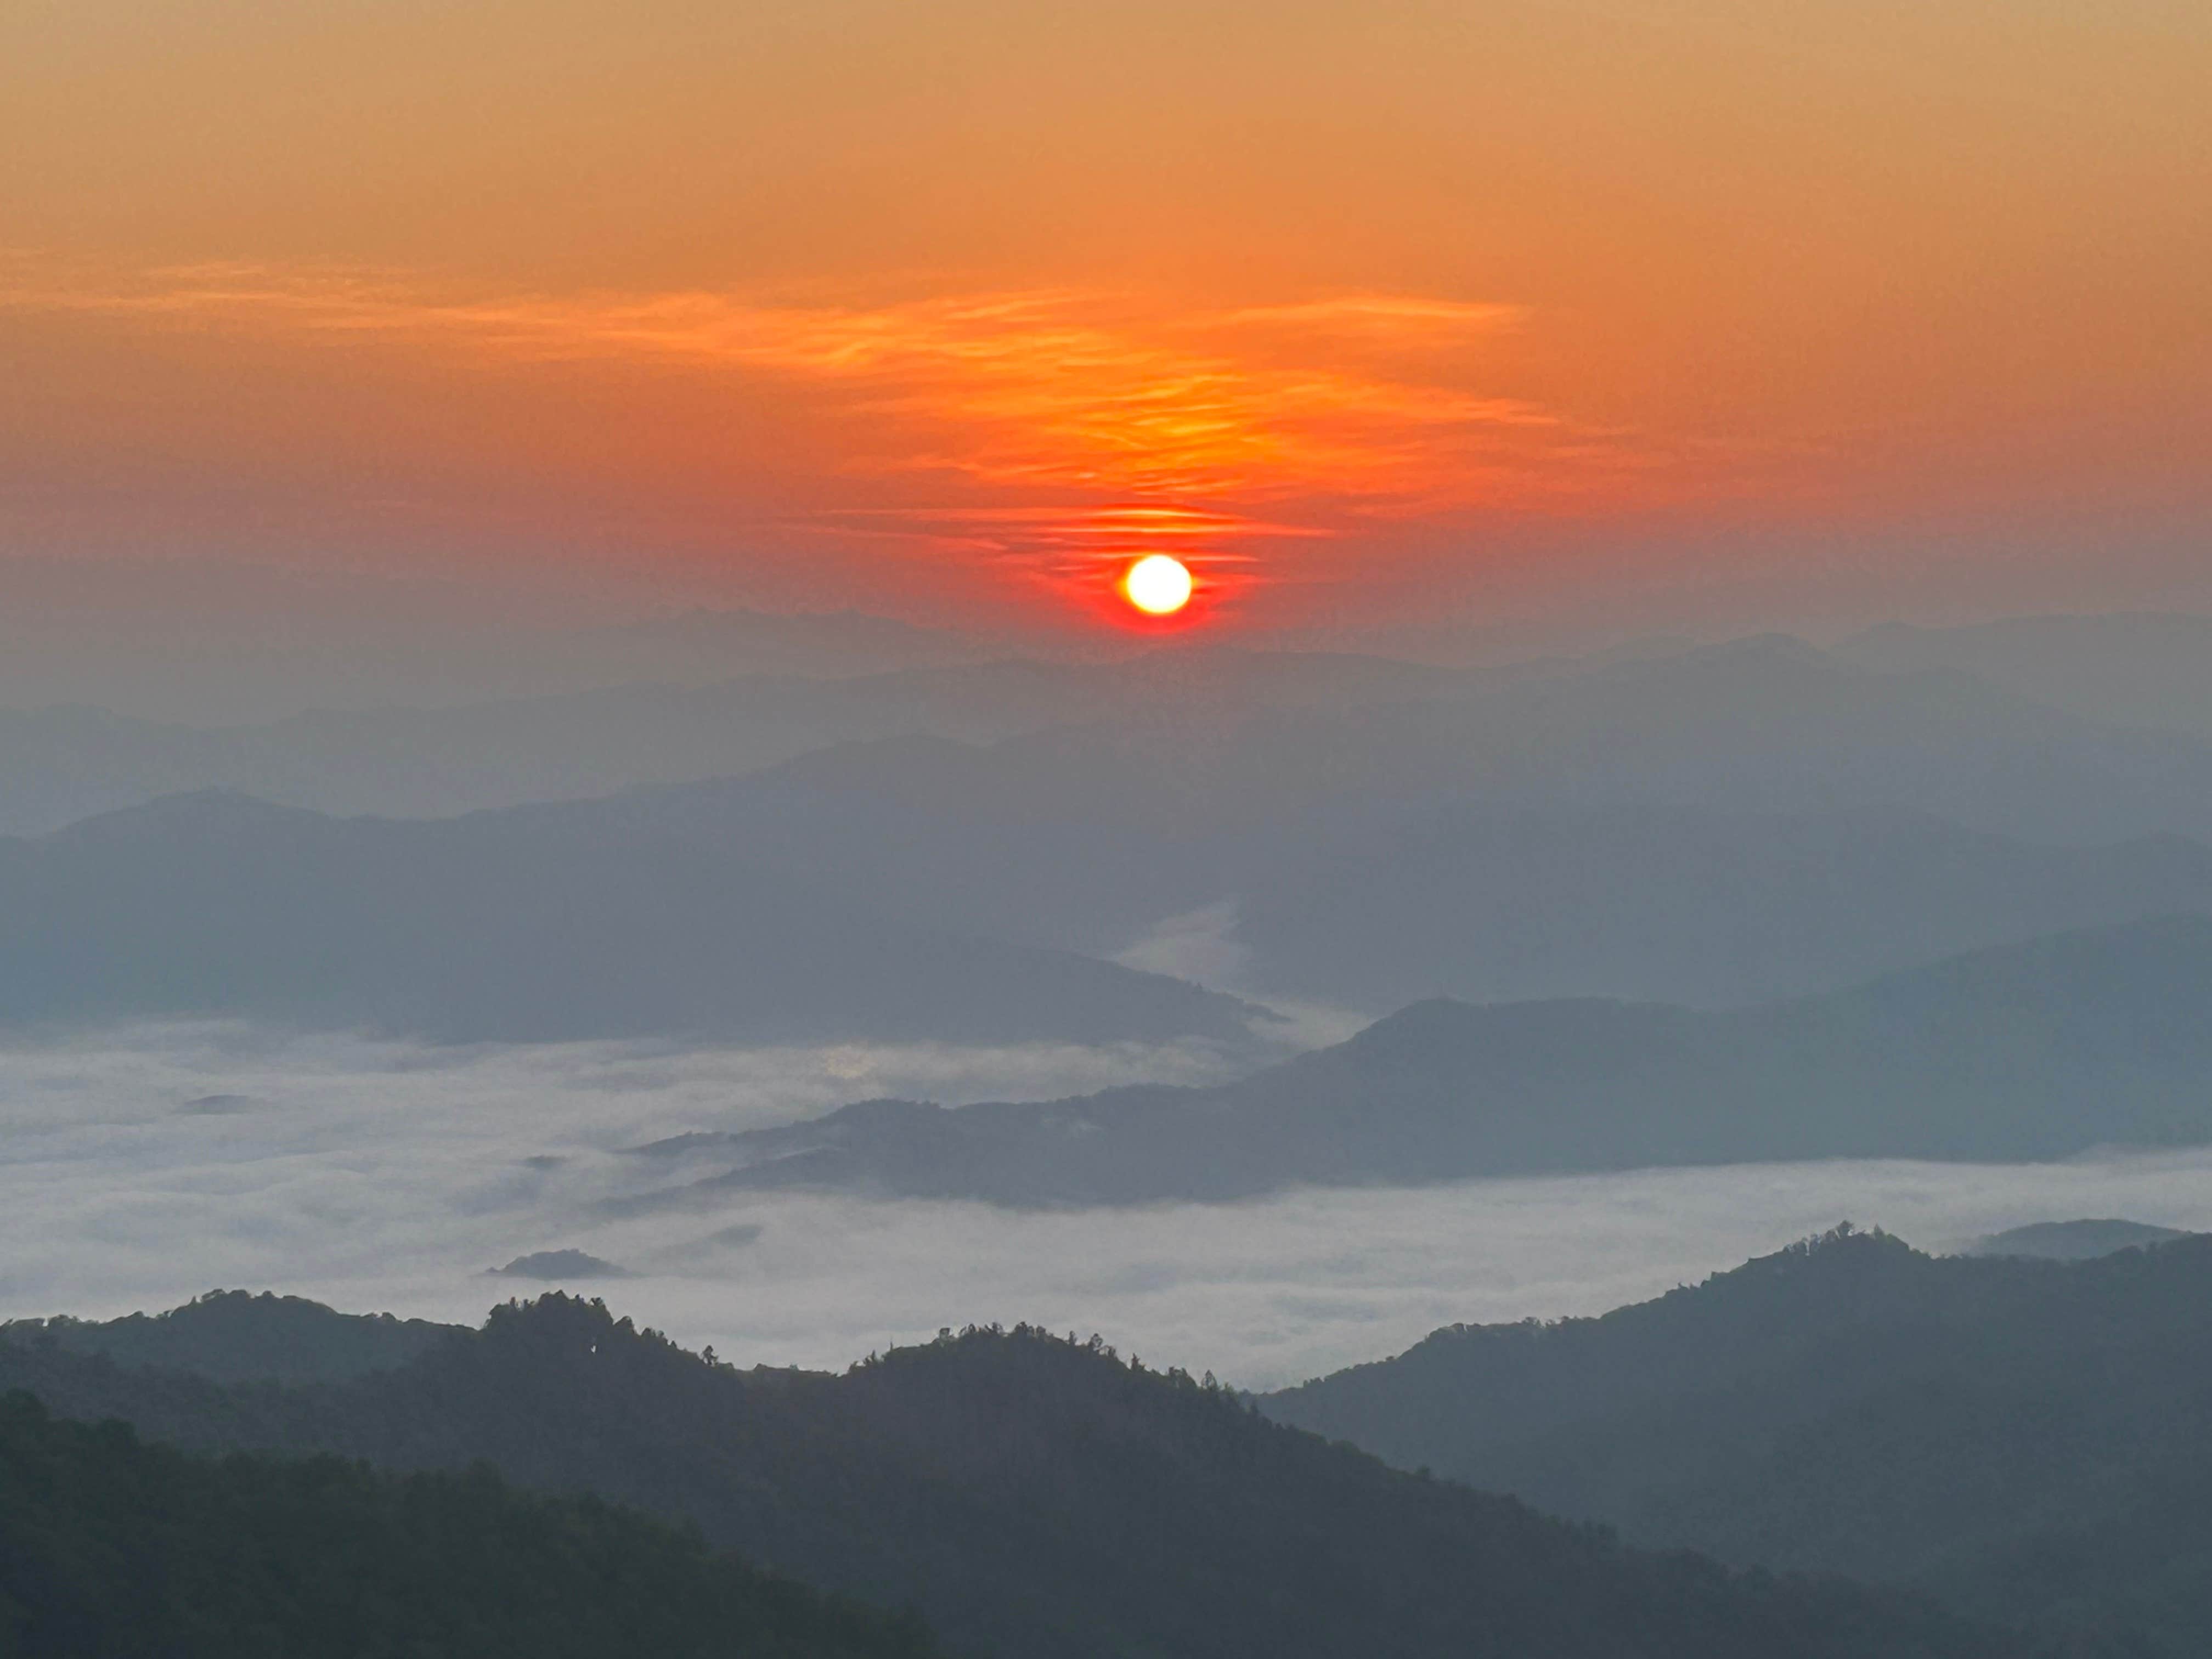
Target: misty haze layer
x,y
1712,827
61,764
163,1164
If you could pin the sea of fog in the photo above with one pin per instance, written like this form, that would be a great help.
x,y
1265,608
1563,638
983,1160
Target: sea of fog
x,y
142,1167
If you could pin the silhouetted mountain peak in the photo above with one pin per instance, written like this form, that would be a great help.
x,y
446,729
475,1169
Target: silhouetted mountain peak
x,y
238,1336
1843,1258
551,1265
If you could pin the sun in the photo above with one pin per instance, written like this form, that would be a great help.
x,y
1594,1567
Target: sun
x,y
1157,584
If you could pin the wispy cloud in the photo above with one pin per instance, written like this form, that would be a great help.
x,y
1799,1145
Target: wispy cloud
x,y
1372,403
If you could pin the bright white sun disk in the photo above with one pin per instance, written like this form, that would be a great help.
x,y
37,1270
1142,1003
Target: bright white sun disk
x,y
1157,584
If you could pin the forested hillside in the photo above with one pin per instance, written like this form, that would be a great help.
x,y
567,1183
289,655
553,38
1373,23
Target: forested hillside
x,y
1032,1496
236,1337
111,1548
2028,1439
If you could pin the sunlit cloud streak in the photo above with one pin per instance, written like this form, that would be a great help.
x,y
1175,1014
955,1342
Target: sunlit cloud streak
x,y
1365,403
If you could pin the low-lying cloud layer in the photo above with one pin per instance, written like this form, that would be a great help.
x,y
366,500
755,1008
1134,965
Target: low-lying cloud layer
x,y
143,1168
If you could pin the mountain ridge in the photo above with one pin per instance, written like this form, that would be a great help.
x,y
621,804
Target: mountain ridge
x,y
482,929
2009,1432
1029,1493
2038,1050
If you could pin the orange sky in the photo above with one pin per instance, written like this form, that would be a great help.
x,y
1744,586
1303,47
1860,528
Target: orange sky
x,y
1374,309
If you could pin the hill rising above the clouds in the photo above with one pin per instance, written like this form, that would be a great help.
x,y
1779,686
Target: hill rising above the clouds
x,y
2024,1052
481,929
2072,1241
1673,903
1028,1495
235,1337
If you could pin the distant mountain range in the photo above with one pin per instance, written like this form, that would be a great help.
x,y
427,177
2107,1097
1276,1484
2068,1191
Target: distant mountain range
x,y
1728,826
2072,1241
1680,903
1028,1494
2032,1051
1742,824
2023,1438
61,764
2026,1440
484,929
1773,724
2148,669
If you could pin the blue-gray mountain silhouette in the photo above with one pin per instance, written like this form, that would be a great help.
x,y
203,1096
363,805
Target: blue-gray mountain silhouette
x,y
2032,1051
491,928
2030,1439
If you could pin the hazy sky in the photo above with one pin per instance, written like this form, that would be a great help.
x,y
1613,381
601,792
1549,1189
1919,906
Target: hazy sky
x,y
1635,310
